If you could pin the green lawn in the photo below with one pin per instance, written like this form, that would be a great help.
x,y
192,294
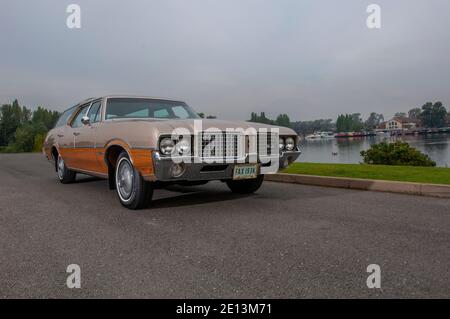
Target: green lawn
x,y
434,175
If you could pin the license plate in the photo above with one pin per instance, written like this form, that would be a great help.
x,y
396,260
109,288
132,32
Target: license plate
x,y
245,171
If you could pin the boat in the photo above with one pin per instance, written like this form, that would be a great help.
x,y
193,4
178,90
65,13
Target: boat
x,y
342,135
313,136
354,134
326,134
319,135
383,133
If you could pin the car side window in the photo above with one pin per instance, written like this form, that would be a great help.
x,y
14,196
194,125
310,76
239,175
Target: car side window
x,y
94,112
180,112
161,113
77,121
64,117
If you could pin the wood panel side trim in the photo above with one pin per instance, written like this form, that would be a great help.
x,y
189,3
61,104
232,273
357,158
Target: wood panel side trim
x,y
142,160
83,159
93,160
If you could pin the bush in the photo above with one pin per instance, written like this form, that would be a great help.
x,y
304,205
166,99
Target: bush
x,y
27,138
398,153
39,142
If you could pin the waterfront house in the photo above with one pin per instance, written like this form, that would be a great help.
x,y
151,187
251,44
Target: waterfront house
x,y
400,123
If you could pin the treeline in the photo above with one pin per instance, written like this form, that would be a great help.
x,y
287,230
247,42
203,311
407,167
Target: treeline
x,y
281,120
308,127
23,130
354,122
202,115
430,115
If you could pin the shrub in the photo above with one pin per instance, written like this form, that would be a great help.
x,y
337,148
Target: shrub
x,y
398,153
38,142
27,138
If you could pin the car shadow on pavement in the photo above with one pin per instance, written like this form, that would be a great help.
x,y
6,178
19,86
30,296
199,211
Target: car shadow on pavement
x,y
87,179
180,196
189,196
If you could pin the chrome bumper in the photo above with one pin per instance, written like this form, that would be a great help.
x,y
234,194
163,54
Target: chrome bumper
x,y
207,171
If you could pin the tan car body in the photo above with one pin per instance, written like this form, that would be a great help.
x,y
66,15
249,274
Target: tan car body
x,y
93,148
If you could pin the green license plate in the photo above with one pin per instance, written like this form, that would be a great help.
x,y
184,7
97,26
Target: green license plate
x,y
245,171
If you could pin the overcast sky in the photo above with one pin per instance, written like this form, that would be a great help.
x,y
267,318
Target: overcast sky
x,y
309,59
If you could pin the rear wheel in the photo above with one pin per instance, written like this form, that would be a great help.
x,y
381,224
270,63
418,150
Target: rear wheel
x,y
245,186
64,174
133,191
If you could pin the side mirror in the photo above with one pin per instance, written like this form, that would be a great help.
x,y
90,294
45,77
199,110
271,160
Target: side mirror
x,y
85,120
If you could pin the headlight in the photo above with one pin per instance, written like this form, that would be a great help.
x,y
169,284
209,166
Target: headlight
x,y
183,147
281,143
166,146
290,143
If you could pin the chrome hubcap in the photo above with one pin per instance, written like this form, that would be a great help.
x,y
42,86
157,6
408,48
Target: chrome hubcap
x,y
124,179
60,167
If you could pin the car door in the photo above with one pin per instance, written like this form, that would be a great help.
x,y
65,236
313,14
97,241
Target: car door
x,y
85,138
69,152
57,134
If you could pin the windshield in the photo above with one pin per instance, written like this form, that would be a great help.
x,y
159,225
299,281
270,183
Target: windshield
x,y
117,108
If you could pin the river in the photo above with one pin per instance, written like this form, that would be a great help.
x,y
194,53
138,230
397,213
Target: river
x,y
347,150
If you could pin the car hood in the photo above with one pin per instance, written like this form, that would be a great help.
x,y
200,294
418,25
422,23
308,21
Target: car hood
x,y
167,126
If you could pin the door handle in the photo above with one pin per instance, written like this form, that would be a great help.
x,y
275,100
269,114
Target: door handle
x,y
60,135
76,133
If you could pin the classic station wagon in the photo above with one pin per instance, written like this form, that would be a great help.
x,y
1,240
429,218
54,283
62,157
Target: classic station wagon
x,y
142,143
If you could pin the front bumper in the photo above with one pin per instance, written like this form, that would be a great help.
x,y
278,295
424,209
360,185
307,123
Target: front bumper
x,y
201,171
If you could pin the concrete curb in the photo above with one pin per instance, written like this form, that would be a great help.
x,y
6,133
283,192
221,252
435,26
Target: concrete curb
x,y
433,190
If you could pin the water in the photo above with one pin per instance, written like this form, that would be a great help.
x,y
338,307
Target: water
x,y
348,149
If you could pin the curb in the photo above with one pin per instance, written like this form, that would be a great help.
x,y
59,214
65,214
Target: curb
x,y
433,190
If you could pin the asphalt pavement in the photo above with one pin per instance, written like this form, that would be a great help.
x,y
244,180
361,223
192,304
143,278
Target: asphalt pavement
x,y
285,241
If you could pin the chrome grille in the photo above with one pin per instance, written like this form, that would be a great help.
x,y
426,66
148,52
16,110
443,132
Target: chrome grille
x,y
233,145
221,145
268,143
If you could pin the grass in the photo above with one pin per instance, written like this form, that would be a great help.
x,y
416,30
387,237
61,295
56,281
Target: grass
x,y
432,175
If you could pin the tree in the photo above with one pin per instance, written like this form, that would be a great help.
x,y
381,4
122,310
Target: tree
x,y
414,113
373,121
22,130
48,118
308,127
433,115
349,122
264,119
283,120
202,115
400,114
12,117
39,142
25,137
340,123
260,118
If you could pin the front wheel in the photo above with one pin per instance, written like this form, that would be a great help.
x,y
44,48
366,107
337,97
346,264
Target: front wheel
x,y
245,186
133,191
65,175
